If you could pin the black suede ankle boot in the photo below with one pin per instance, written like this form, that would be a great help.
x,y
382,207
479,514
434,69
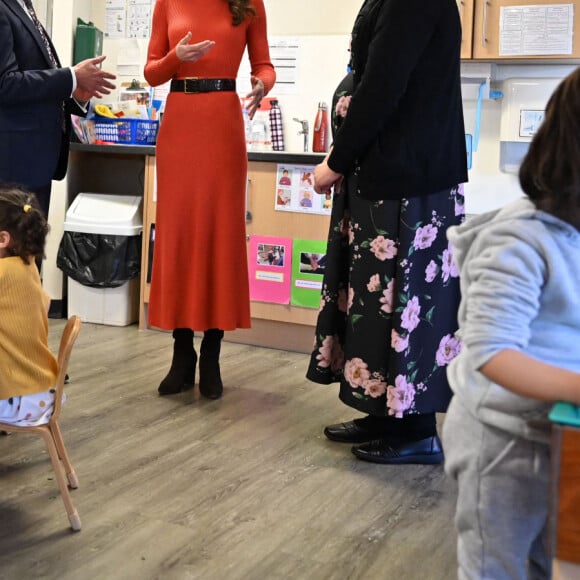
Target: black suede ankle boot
x,y
181,375
210,380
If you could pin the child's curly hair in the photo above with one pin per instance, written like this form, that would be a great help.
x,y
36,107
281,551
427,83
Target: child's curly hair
x,y
22,218
240,9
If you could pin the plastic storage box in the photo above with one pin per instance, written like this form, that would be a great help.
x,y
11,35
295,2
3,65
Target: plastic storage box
x,y
106,214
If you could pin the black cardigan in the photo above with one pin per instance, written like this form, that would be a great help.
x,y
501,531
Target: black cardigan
x,y
404,134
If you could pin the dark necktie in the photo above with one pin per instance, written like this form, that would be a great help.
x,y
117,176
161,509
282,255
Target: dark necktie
x,y
42,32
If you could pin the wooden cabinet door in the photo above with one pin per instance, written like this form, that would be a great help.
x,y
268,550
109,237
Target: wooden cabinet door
x,y
486,29
466,14
566,489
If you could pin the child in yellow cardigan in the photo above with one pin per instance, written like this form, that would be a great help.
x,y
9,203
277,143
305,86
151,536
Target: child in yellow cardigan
x,y
28,368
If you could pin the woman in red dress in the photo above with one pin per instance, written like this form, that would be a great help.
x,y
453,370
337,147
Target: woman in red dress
x,y
199,276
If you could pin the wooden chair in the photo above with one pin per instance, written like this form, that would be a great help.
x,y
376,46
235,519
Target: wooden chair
x,y
50,431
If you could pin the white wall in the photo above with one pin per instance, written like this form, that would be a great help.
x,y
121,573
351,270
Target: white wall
x,y
489,188
311,17
317,80
64,15
324,28
322,62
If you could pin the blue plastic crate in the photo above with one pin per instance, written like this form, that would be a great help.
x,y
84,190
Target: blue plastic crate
x,y
127,131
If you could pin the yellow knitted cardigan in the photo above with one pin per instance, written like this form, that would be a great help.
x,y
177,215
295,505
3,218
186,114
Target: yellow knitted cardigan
x,y
27,365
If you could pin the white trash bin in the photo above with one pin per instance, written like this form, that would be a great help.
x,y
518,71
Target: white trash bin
x,y
107,214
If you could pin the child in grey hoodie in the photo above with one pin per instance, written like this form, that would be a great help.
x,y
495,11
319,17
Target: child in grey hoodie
x,y
519,325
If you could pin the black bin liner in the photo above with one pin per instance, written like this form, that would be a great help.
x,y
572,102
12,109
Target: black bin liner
x,y
99,260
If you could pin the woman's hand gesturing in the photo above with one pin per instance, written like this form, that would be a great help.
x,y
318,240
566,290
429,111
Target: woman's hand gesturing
x,y
192,52
256,95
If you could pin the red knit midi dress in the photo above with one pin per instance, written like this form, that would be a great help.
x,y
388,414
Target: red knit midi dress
x,y
199,274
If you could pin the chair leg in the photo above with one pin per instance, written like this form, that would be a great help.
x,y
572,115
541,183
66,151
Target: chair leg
x,y
71,511
73,480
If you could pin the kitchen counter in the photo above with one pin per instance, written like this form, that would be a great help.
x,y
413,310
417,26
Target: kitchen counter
x,y
296,158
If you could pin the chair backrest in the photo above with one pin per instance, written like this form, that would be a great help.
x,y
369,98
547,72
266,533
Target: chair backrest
x,y
67,341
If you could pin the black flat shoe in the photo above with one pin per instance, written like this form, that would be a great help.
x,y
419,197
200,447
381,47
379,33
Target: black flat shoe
x,y
396,452
349,432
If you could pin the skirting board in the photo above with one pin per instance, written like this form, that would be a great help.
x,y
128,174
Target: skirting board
x,y
272,334
269,334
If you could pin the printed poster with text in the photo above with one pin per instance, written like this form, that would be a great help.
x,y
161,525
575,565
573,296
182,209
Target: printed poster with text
x,y
270,269
308,265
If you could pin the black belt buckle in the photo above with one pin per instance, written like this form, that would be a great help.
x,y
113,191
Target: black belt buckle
x,y
194,85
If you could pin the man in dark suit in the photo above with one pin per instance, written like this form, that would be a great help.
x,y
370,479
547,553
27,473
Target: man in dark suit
x,y
37,97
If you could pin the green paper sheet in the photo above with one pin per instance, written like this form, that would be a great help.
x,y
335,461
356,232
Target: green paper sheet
x,y
308,266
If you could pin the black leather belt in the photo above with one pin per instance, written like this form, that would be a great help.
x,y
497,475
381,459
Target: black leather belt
x,y
195,85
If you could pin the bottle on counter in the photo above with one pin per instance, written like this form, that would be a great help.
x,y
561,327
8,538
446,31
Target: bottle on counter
x,y
276,126
247,127
260,132
321,128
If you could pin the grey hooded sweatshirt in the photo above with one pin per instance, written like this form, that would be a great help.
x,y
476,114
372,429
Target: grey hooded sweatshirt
x,y
520,285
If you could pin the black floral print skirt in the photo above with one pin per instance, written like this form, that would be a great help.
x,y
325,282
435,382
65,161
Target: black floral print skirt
x,y
389,303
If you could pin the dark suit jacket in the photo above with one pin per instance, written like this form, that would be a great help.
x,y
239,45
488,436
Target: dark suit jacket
x,y
35,104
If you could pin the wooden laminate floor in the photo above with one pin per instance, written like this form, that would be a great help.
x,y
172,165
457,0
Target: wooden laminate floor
x,y
246,487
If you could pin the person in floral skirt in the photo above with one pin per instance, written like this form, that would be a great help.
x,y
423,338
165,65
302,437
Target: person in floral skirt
x,y
388,314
